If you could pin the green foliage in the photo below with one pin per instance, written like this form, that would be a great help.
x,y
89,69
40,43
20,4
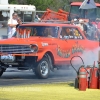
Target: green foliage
x,y
44,4
12,1
40,4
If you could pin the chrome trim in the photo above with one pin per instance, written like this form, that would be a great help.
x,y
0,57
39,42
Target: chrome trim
x,y
15,49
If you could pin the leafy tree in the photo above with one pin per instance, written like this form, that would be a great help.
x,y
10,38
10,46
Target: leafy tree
x,y
17,1
44,4
40,4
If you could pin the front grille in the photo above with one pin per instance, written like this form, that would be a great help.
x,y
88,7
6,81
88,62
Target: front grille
x,y
15,49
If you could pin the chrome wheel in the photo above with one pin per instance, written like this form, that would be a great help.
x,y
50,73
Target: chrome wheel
x,y
44,68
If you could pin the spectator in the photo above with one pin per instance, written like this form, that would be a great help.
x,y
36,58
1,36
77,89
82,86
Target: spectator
x,y
72,22
82,26
97,25
19,22
81,23
91,30
37,18
76,21
12,25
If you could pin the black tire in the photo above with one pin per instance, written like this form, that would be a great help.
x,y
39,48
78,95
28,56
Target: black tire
x,y
1,71
42,69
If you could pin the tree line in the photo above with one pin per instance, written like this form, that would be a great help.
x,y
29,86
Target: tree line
x,y
44,4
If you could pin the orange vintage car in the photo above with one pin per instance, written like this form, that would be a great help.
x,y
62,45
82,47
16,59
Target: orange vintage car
x,y
43,46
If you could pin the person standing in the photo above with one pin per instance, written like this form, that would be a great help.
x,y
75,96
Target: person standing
x,y
82,26
12,25
91,30
37,18
19,21
17,26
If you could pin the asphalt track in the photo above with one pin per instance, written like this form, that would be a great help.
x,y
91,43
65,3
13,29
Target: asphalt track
x,y
14,77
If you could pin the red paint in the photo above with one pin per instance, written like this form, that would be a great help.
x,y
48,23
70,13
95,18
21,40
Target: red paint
x,y
94,78
79,4
82,79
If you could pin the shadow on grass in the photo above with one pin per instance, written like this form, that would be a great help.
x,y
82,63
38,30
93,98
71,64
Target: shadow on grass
x,y
74,86
71,84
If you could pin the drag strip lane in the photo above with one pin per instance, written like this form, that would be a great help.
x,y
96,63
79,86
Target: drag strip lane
x,y
15,77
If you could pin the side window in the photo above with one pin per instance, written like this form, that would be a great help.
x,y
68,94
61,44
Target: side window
x,y
70,33
77,34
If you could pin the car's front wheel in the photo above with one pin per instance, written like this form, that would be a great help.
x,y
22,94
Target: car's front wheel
x,y
42,69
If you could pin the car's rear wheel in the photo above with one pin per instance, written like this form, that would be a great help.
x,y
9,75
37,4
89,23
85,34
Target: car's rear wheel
x,y
1,71
42,69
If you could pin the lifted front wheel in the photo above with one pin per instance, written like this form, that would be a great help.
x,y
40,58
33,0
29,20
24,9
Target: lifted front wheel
x,y
43,69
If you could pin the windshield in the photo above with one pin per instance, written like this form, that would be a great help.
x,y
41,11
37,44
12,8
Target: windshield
x,y
43,31
82,13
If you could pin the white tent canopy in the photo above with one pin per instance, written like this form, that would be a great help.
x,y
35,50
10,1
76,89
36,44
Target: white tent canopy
x,y
88,4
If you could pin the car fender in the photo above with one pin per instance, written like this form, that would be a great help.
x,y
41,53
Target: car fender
x,y
43,53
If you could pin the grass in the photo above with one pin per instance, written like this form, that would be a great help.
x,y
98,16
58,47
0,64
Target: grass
x,y
55,91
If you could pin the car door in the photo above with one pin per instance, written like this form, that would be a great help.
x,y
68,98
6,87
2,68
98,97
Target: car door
x,y
69,44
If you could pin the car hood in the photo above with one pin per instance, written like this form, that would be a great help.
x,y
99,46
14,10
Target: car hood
x,y
15,41
26,41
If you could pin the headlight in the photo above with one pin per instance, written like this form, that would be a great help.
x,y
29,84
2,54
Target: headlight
x,y
34,48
